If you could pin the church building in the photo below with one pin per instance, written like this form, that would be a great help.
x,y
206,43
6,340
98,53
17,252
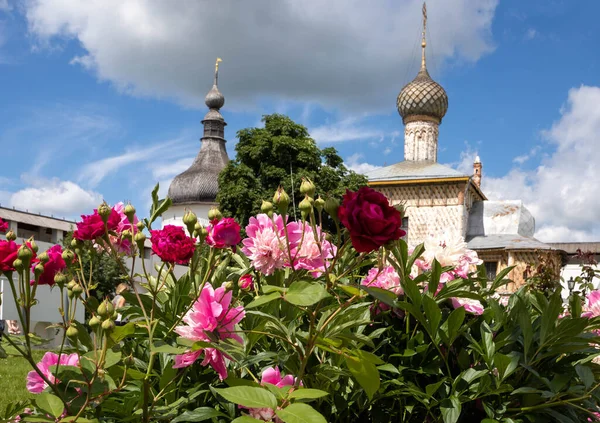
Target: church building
x,y
439,198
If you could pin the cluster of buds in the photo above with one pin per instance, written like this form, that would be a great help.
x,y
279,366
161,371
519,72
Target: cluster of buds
x,y
307,188
74,289
139,238
190,221
25,255
214,214
105,317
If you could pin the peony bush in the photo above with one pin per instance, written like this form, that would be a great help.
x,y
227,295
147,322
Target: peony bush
x,y
292,324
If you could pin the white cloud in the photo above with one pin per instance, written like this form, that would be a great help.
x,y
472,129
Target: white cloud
x,y
4,6
387,151
354,164
465,163
345,53
166,170
563,192
56,197
531,34
345,130
525,157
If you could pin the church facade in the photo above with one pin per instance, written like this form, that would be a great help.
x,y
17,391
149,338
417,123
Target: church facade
x,y
438,198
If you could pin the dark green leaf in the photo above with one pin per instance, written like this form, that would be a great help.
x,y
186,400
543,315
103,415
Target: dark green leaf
x,y
51,404
306,393
249,396
365,373
450,408
198,415
300,413
303,293
586,375
263,299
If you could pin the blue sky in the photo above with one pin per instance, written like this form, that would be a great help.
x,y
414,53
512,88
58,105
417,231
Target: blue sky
x,y
102,99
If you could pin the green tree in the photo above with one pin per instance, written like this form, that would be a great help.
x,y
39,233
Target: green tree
x,y
278,154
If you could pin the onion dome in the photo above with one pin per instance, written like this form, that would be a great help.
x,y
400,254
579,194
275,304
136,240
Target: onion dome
x,y
214,99
422,98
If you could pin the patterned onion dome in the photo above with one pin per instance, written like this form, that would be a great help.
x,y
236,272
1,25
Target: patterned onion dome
x,y
422,97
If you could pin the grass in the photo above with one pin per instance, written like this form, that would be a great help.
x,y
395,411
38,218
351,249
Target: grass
x,y
13,371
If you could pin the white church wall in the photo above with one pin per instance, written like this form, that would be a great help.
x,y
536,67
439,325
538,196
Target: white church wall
x,y
174,216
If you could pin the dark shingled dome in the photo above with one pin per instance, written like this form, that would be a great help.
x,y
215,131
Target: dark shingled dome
x,y
422,97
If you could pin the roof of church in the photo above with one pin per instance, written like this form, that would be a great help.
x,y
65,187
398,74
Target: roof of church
x,y
410,170
505,242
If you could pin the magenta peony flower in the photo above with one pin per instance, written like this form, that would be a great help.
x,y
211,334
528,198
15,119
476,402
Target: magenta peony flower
x,y
53,266
3,226
92,225
305,250
35,384
224,233
172,245
211,316
265,243
8,254
273,377
470,305
246,283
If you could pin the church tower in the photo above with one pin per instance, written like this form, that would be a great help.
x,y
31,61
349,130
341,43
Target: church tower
x,y
196,188
422,103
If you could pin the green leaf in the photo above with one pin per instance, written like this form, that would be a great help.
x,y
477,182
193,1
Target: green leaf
x,y
506,364
365,373
249,396
383,295
489,348
433,314
267,289
51,404
436,273
121,332
303,293
263,299
245,419
198,415
306,393
450,408
389,368
168,349
164,206
300,413
586,375
453,324
550,316
111,358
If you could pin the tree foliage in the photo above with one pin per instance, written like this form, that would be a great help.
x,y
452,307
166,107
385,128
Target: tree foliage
x,y
278,154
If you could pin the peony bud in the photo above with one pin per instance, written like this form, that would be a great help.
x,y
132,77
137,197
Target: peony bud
x,y
246,283
72,332
197,230
94,322
228,286
190,219
60,279
305,207
68,256
104,211
108,326
281,200
203,234
129,361
332,205
71,284
77,290
18,265
267,208
76,243
126,234
307,187
105,309
139,239
70,293
140,225
33,245
214,214
11,236
38,269
319,204
25,254
43,258
130,213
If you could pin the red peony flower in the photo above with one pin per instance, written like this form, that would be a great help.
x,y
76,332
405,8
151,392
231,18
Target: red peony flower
x,y
53,266
224,233
92,225
172,245
3,226
372,222
8,254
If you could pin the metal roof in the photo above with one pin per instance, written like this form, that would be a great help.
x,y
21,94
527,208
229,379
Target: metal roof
x,y
36,219
500,217
506,242
408,169
572,247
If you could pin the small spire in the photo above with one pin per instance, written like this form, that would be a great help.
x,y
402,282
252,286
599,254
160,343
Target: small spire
x,y
423,41
216,83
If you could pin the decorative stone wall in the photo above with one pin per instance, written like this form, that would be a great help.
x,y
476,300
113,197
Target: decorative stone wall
x,y
421,141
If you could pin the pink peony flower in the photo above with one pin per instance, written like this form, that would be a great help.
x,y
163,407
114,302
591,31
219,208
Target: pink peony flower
x,y
35,384
211,316
265,243
386,278
123,220
470,305
54,265
172,245
8,254
305,249
224,233
592,305
273,377
246,283
3,226
92,225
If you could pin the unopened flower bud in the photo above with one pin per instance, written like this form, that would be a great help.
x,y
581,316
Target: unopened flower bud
x,y
60,279
190,219
33,245
332,205
43,258
126,234
139,239
68,256
25,254
129,361
214,214
307,187
38,269
94,322
267,208
72,332
203,233
319,204
104,211
281,200
246,283
130,213
70,293
77,290
71,284
140,225
76,243
228,286
305,207
197,229
11,236
18,265
108,325
105,309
